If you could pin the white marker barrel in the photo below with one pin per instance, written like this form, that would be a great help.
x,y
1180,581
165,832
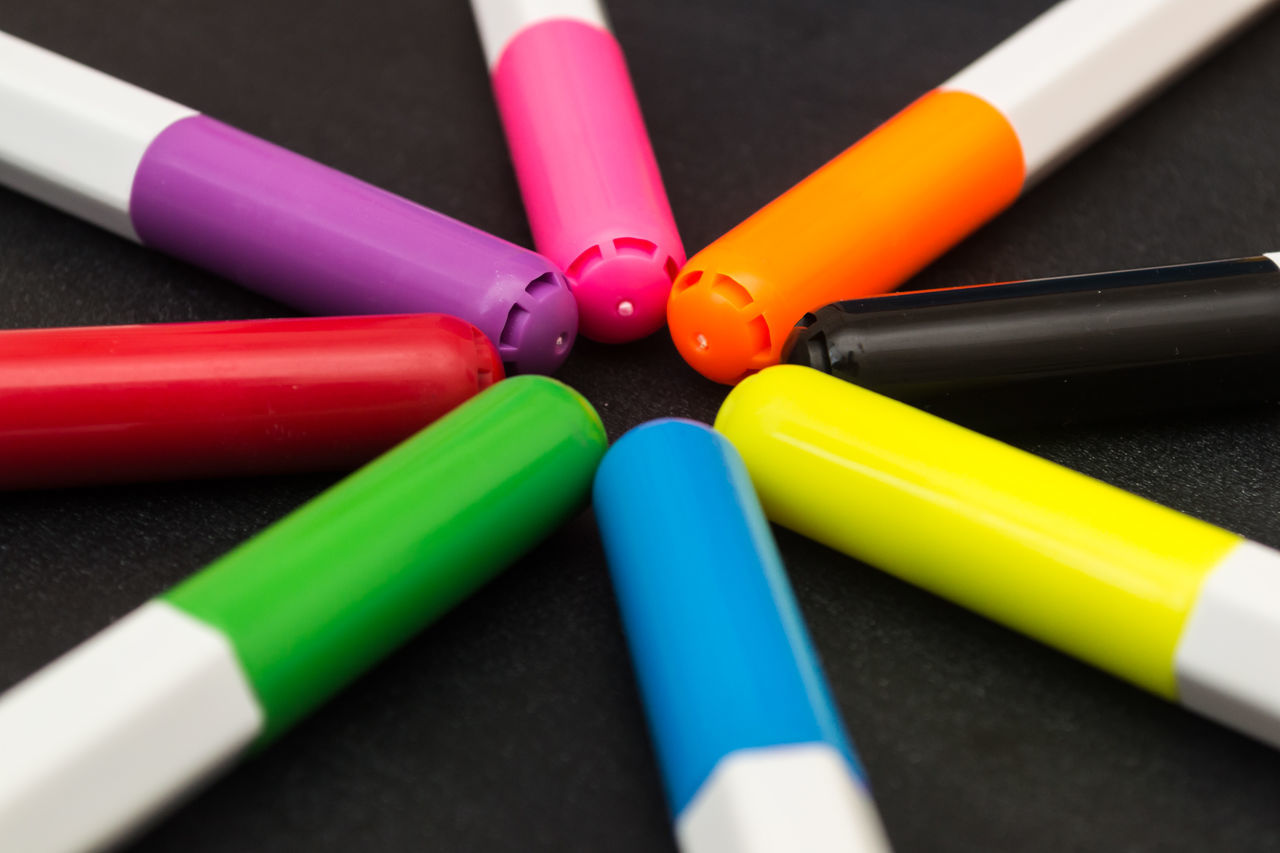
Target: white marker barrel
x,y
73,137
1083,65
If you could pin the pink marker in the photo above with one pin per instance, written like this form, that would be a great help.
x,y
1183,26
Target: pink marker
x,y
587,172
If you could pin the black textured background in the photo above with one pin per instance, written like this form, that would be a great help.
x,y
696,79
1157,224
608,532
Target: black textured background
x,y
513,724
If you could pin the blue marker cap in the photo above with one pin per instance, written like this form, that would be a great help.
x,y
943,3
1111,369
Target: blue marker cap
x,y
720,650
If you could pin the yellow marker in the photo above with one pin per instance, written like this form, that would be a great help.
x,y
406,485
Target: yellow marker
x,y
1174,605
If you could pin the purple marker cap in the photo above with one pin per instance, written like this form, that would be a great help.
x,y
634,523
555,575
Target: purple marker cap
x,y
327,243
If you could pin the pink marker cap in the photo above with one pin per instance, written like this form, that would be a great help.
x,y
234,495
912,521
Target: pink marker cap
x,y
587,172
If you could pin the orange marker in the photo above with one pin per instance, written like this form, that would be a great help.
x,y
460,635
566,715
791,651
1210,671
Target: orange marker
x,y
927,178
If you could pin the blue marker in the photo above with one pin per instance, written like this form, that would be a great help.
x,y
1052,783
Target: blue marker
x,y
753,754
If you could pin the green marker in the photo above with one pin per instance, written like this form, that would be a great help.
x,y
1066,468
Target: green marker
x,y
106,736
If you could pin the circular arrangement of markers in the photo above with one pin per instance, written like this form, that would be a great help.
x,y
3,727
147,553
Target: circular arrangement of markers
x,y
420,373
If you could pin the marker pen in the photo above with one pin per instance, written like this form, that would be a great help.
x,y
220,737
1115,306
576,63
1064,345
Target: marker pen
x,y
751,747
174,400
921,182
105,737
1179,607
590,182
1063,349
157,172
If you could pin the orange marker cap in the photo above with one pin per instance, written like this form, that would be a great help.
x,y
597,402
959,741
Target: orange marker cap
x,y
860,225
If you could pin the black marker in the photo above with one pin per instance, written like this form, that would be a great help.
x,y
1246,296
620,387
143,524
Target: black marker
x,y
1062,349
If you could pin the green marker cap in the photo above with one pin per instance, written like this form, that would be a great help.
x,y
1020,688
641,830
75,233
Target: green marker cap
x,y
320,596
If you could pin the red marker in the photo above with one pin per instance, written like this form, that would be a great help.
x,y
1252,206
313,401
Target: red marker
x,y
109,404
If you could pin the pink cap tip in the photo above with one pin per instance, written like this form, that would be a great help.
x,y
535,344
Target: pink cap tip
x,y
621,286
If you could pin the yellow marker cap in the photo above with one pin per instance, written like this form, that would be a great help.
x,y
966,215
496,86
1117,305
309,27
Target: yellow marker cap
x,y
1088,568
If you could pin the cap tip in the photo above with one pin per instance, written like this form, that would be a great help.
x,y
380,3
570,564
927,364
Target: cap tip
x,y
621,286
540,328
718,328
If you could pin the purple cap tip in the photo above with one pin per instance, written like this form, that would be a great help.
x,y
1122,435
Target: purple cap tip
x,y
540,327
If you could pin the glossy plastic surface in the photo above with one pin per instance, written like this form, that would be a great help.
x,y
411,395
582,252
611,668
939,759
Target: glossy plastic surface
x,y
588,175
320,596
719,645
1085,567
322,241
862,224
1062,349
129,403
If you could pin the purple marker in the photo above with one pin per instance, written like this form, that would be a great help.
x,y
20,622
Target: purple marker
x,y
162,174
